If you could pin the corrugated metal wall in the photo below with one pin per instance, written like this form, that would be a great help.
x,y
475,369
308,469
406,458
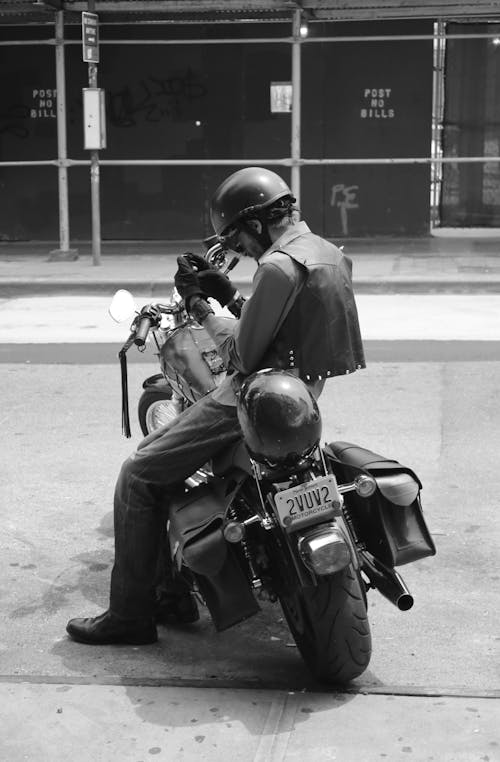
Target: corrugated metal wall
x,y
360,100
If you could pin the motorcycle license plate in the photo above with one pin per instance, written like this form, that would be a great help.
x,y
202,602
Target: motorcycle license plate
x,y
309,503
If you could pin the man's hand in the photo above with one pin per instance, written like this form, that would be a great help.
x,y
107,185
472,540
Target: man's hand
x,y
217,285
187,282
198,262
212,281
205,280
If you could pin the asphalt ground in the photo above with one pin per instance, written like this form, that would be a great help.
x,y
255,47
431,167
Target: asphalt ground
x,y
432,689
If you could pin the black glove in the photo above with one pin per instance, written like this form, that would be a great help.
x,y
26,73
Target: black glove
x,y
198,262
187,282
213,282
217,285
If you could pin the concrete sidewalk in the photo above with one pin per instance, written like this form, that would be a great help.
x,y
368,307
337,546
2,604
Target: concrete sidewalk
x,y
132,723
395,265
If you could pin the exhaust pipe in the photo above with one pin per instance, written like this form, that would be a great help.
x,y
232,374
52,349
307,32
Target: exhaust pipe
x,y
387,581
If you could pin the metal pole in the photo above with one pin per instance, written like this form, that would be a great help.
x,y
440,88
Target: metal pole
x,y
296,105
63,252
254,162
94,176
437,121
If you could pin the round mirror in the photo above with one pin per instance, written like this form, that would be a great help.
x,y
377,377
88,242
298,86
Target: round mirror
x,y
122,306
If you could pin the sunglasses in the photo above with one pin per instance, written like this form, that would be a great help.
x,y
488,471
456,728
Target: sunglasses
x,y
230,239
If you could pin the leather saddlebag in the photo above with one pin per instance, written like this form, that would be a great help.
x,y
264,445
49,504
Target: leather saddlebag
x,y
390,523
196,540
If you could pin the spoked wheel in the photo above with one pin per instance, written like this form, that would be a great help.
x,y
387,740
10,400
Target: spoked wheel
x,y
156,408
330,625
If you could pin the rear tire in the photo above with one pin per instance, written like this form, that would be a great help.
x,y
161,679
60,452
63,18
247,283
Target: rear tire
x,y
330,626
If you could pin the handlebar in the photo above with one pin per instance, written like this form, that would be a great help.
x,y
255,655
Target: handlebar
x,y
149,317
144,323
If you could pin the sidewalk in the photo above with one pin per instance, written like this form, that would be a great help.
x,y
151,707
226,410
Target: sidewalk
x,y
176,724
395,265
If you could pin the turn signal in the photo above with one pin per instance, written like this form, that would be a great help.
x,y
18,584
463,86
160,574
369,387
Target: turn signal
x,y
233,531
325,553
365,485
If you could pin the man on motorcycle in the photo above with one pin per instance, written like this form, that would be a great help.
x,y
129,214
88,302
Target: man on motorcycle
x,y
301,317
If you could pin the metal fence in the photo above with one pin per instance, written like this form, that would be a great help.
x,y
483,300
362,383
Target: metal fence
x,y
296,161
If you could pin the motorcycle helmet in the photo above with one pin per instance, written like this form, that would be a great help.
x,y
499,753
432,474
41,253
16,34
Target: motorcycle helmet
x,y
279,418
245,193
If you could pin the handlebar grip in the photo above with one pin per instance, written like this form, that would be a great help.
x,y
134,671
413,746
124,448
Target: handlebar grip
x,y
142,331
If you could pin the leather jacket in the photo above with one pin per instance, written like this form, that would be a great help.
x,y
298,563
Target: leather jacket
x,y
320,336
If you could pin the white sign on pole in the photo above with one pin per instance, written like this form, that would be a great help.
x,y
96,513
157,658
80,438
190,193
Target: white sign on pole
x,y
281,97
90,37
94,118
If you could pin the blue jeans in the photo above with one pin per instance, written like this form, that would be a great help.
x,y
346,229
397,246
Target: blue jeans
x,y
162,461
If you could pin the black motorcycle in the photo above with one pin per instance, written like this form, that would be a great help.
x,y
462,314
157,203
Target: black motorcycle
x,y
279,517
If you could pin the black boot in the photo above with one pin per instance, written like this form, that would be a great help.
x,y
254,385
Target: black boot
x,y
176,608
108,629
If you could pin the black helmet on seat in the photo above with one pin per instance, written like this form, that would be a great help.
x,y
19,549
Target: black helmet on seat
x,y
279,417
245,193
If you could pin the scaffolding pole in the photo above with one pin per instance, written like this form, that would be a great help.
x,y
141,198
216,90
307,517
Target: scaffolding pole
x,y
95,192
296,105
64,252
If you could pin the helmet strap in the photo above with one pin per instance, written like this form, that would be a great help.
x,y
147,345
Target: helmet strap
x,y
263,238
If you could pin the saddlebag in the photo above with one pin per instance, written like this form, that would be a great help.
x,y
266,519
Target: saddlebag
x,y
196,540
390,523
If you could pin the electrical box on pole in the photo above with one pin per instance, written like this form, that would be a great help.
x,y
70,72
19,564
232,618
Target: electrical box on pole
x,y
94,118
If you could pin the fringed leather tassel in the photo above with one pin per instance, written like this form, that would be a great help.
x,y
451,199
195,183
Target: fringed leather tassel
x,y
125,412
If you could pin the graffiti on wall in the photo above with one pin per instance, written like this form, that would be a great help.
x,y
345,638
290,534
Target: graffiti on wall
x,y
12,121
154,99
344,198
377,103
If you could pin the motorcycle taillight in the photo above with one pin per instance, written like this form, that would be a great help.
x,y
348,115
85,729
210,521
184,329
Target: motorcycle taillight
x,y
325,551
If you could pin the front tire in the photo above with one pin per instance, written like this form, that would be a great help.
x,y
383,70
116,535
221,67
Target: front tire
x,y
155,408
329,623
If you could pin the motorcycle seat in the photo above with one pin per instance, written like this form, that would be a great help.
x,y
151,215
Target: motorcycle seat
x,y
235,456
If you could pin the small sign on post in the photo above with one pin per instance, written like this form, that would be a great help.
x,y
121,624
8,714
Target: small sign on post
x,y
281,97
90,37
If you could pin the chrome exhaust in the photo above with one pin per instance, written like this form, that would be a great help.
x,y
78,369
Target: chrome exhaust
x,y
387,581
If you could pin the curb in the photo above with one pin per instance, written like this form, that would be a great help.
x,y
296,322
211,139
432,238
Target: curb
x,y
17,288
